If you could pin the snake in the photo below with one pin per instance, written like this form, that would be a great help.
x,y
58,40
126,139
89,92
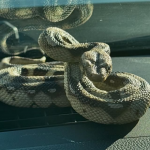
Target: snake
x,y
17,60
83,71
29,84
40,15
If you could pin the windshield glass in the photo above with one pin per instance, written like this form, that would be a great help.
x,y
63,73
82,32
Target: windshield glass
x,y
44,42
122,24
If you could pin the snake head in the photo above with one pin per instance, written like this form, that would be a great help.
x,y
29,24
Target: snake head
x,y
97,65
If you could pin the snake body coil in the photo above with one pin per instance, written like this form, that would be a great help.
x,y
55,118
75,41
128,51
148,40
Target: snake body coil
x,y
91,87
93,90
35,85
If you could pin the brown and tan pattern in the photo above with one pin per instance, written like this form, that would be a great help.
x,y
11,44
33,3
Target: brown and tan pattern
x,y
35,85
93,90
86,77
16,60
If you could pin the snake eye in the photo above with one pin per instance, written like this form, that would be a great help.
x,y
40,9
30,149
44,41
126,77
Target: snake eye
x,y
108,68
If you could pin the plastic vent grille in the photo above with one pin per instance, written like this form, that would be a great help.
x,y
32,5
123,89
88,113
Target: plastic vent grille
x,y
13,118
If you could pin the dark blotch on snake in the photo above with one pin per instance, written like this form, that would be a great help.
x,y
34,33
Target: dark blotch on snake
x,y
4,74
39,72
13,99
45,87
15,84
84,110
48,79
115,95
24,71
117,82
59,73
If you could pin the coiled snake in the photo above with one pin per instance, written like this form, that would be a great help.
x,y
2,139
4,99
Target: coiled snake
x,y
91,87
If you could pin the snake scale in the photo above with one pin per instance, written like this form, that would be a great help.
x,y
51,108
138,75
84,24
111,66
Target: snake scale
x,y
86,76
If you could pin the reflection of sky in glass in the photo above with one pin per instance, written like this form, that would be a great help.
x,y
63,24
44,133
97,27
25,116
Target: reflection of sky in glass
x,y
37,3
118,1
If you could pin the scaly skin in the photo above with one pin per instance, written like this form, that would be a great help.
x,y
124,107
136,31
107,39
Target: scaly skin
x,y
111,97
91,87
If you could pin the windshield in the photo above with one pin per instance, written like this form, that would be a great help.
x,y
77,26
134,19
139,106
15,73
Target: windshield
x,y
44,42
123,24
